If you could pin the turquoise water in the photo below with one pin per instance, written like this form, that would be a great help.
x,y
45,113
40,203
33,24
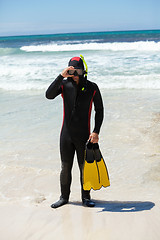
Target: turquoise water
x,y
116,36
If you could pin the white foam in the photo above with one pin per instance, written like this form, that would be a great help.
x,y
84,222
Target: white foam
x,y
130,82
127,69
110,82
116,46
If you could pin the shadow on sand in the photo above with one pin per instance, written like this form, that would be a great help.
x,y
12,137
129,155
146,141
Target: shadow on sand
x,y
124,206
121,206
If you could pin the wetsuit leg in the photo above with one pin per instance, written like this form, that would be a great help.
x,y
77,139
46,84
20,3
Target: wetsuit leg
x,y
67,151
80,148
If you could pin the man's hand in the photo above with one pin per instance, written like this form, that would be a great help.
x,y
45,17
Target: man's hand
x,y
65,72
94,137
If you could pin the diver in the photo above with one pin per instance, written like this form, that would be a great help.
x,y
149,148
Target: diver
x,y
78,94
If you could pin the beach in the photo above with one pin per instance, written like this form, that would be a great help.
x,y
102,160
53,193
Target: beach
x,y
129,140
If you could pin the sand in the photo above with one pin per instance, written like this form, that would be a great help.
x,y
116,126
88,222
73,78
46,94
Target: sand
x,y
30,165
108,220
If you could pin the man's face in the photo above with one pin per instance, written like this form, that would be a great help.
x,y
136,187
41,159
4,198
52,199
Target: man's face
x,y
76,79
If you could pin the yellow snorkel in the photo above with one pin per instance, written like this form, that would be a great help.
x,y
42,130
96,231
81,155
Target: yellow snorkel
x,y
86,67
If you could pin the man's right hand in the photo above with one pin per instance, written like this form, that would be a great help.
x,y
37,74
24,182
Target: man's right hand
x,y
65,72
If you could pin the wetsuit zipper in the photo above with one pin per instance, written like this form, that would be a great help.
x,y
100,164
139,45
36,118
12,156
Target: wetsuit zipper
x,y
75,103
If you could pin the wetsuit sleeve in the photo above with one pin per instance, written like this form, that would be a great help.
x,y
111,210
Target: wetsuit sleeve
x,y
99,110
55,88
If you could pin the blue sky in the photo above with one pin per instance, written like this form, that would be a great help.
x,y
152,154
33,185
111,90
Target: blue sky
x,y
20,17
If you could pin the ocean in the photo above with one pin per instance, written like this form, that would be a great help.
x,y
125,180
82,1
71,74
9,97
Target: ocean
x,y
116,60
126,67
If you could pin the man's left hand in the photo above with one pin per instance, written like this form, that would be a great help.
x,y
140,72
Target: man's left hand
x,y
94,137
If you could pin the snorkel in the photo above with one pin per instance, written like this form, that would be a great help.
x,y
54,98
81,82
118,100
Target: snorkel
x,y
85,75
85,64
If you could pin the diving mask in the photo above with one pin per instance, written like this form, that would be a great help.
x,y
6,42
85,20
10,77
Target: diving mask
x,y
76,72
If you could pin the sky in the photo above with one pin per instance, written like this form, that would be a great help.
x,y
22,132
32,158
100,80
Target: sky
x,y
27,17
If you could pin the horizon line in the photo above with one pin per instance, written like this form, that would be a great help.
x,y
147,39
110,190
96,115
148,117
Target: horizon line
x,y
110,31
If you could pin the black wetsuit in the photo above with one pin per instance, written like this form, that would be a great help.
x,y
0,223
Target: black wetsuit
x,y
77,105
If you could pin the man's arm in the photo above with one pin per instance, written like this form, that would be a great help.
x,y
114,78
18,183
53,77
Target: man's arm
x,y
55,87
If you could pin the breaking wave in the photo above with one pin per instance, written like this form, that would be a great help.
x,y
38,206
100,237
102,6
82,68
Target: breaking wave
x,y
115,46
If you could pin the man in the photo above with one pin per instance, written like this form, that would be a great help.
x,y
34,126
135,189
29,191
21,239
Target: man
x,y
78,94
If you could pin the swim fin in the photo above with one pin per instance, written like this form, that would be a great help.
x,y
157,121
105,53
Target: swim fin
x,y
103,172
95,174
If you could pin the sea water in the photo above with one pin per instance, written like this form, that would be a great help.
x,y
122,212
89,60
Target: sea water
x,y
126,67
